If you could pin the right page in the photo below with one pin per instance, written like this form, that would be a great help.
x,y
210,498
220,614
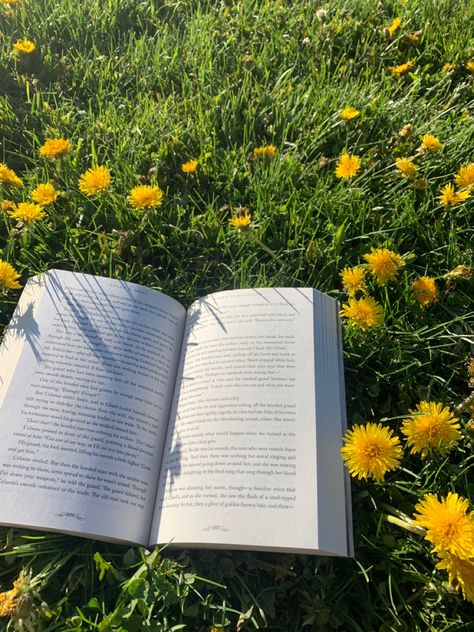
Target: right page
x,y
252,458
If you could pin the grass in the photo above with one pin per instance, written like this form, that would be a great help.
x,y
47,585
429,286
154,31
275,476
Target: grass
x,y
143,87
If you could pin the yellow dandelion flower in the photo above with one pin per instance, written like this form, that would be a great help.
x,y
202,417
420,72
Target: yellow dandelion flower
x,y
425,290
406,131
8,176
25,47
470,66
450,196
402,68
8,599
448,67
465,176
449,526
371,450
8,277
241,221
9,1
349,113
8,205
27,212
190,166
394,26
460,573
383,264
364,312
353,280
55,147
44,194
432,427
462,195
145,196
266,151
406,167
414,37
430,143
94,181
347,166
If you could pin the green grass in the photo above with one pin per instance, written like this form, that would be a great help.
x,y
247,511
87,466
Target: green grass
x,y
145,86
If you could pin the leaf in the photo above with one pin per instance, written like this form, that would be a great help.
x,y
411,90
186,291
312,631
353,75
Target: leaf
x,y
244,616
94,604
102,566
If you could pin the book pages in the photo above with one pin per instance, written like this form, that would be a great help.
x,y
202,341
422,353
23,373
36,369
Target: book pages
x,y
86,408
240,466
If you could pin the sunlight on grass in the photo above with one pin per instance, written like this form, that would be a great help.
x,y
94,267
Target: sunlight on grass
x,y
195,146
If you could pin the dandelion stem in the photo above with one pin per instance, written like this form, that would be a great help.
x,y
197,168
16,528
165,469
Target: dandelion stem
x,y
408,524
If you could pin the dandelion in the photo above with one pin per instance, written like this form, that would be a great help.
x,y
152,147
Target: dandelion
x,y
406,167
94,181
321,14
394,26
9,1
145,196
420,184
460,573
449,527
8,205
25,47
8,176
414,37
349,113
364,312
448,68
55,148
459,272
425,290
465,176
433,426
402,68
430,143
450,196
27,212
353,280
347,166
44,194
406,131
266,151
246,59
8,599
241,221
8,277
470,66
371,450
383,264
190,166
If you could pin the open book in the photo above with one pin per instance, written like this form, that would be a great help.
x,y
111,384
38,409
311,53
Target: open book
x,y
126,417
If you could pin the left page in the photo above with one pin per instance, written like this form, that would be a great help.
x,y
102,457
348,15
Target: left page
x,y
87,371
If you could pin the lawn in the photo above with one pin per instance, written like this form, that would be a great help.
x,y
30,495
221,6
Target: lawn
x,y
232,117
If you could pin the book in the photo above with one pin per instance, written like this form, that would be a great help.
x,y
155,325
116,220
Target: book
x,y
127,418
